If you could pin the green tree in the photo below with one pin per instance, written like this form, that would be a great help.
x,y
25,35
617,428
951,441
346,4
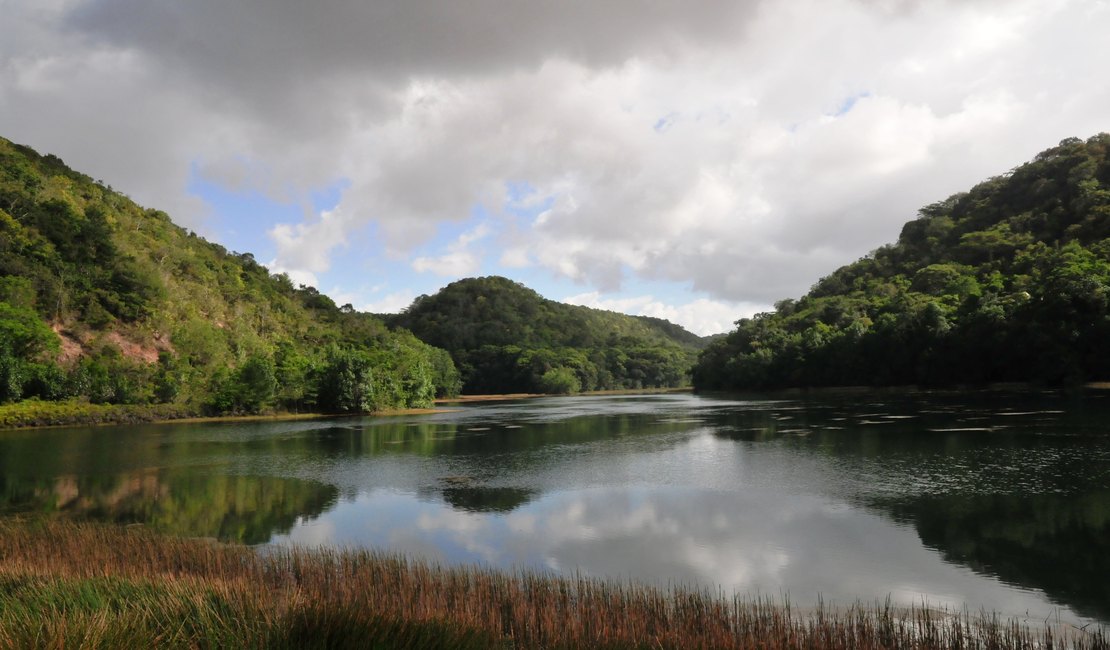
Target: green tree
x,y
559,381
346,382
23,334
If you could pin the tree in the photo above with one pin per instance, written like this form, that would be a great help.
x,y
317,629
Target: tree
x,y
23,334
559,381
346,382
256,384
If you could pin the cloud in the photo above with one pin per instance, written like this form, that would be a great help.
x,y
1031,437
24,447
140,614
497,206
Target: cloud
x,y
745,149
390,303
456,264
280,41
459,260
306,247
701,316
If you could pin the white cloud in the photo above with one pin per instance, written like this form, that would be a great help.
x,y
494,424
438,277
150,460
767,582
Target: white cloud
x,y
298,277
306,247
459,260
701,316
456,264
391,303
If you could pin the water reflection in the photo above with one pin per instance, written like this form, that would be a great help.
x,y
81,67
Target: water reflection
x,y
993,500
752,542
487,499
1058,544
245,509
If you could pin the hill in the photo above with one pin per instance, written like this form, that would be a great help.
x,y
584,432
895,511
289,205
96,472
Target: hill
x,y
1007,282
505,337
104,301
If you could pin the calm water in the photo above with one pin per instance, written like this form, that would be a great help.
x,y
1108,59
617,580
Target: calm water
x,y
997,501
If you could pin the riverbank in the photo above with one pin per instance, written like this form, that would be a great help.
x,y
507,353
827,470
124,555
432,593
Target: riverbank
x,y
34,413
865,391
38,414
503,397
66,584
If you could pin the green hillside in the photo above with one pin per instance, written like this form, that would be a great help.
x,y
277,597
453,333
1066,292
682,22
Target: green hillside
x,y
1007,282
505,337
104,301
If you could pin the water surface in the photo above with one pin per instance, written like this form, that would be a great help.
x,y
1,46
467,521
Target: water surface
x,y
980,500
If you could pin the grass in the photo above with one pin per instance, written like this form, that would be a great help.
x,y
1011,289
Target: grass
x,y
34,413
79,585
39,413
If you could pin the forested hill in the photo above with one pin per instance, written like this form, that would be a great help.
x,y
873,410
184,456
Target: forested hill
x,y
1007,282
105,301
505,337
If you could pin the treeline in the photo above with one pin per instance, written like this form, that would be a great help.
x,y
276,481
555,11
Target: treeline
x,y
1007,282
106,302
506,338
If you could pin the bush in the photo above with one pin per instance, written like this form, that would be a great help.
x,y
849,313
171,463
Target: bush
x,y
559,381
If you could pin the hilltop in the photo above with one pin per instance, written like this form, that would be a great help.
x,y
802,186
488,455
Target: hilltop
x,y
505,337
1009,281
104,301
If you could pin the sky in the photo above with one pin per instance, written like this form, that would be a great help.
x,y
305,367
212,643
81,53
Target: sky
x,y
695,160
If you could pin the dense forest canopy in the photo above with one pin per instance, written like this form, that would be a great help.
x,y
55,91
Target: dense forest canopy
x,y
505,337
105,301
1007,282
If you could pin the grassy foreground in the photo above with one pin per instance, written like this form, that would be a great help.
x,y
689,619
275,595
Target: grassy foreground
x,y
96,586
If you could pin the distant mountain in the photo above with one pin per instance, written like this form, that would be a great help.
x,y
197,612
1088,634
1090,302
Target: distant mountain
x,y
505,337
1007,282
105,301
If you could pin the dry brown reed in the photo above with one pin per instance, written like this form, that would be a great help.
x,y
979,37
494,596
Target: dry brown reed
x,y
85,585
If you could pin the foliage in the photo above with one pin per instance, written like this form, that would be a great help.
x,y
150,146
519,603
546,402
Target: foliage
x,y
1007,282
346,382
150,313
505,338
39,413
250,388
23,333
559,381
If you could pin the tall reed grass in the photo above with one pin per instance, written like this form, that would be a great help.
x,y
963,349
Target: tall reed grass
x,y
97,586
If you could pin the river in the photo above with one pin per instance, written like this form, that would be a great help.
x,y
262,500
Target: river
x,y
996,501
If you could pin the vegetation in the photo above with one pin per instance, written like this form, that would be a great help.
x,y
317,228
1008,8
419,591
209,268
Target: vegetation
x,y
107,303
506,338
38,413
1007,282
79,585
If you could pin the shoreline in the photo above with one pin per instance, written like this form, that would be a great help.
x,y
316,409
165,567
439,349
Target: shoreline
x,y
41,414
504,397
910,389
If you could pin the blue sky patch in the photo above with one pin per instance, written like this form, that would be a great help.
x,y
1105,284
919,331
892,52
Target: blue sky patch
x,y
849,103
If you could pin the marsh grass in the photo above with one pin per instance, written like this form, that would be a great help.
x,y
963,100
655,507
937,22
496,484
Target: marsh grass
x,y
84,585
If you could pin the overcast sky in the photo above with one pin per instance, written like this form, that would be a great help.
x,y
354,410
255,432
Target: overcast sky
x,y
690,159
